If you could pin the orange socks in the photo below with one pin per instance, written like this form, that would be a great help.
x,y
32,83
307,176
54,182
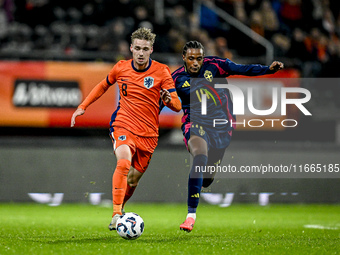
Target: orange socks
x,y
119,184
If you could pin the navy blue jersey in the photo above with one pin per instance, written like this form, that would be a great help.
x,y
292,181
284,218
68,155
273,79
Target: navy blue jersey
x,y
219,103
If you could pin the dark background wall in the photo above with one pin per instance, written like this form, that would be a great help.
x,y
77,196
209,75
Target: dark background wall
x,y
80,166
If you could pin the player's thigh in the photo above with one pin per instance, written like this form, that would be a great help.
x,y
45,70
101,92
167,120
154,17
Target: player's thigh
x,y
195,138
123,152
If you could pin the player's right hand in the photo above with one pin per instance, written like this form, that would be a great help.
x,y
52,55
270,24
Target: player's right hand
x,y
276,66
165,95
77,113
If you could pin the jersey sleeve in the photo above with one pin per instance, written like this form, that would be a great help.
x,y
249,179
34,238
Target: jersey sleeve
x,y
232,68
95,93
175,103
112,76
168,84
99,89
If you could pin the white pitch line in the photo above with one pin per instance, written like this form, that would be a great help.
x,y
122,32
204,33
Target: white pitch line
x,y
320,227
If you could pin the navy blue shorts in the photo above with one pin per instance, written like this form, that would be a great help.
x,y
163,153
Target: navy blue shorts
x,y
217,142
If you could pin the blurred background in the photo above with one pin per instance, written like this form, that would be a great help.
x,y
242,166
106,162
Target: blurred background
x,y
52,53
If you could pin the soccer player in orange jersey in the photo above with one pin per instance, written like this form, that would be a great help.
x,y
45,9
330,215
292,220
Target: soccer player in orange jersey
x,y
134,125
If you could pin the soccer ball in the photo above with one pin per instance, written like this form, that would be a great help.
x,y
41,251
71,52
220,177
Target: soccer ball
x,y
130,226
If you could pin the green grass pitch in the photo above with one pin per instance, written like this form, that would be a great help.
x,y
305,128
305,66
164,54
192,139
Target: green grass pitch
x,y
238,229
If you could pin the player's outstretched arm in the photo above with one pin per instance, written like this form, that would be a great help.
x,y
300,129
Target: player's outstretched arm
x,y
95,93
250,70
276,66
77,113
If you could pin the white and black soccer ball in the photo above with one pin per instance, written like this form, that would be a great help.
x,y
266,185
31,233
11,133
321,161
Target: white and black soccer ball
x,y
130,226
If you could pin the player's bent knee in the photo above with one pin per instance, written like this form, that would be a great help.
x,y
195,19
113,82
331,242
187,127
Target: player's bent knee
x,y
199,151
123,152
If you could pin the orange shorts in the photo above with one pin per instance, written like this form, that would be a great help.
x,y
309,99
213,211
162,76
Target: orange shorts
x,y
141,147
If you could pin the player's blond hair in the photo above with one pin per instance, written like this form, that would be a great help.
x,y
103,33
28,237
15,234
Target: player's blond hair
x,y
143,33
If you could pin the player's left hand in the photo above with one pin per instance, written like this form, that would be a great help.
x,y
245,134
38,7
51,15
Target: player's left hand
x,y
165,95
276,66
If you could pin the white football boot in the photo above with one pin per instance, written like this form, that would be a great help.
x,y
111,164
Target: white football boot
x,y
113,224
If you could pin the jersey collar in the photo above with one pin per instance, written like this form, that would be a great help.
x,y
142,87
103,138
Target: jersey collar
x,y
144,70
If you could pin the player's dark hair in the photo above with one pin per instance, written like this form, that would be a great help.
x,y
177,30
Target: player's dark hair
x,y
192,45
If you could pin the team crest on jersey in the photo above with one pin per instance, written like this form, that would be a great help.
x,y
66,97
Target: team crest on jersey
x,y
201,131
208,75
148,82
122,137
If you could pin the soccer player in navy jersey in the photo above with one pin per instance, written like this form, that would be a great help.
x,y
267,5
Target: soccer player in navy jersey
x,y
206,144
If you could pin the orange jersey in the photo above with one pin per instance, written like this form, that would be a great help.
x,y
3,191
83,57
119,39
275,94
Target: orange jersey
x,y
139,91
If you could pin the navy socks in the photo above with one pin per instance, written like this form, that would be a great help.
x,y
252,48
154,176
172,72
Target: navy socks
x,y
195,181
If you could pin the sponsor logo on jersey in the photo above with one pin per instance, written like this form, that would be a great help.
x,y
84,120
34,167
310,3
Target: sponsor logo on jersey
x,y
43,93
186,84
122,138
148,82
